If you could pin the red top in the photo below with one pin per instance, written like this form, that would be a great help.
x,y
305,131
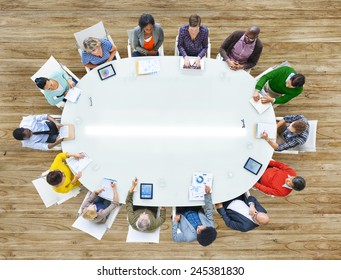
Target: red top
x,y
273,179
149,45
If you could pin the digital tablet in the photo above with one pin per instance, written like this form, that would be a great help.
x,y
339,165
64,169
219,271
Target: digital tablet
x,y
253,166
106,72
146,191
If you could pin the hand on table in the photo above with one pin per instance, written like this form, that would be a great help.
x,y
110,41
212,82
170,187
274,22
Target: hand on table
x,y
267,99
256,95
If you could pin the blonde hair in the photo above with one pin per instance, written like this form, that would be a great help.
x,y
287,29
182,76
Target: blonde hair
x,y
89,214
91,43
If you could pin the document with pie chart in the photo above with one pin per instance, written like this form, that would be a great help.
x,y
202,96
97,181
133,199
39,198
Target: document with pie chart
x,y
197,189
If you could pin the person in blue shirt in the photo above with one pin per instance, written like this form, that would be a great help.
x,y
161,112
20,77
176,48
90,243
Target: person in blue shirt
x,y
55,87
193,223
293,130
97,51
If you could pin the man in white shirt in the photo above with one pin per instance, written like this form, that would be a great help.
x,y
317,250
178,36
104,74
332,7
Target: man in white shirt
x,y
38,132
242,213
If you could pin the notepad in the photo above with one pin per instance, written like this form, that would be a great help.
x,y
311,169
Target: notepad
x,y
108,192
191,62
259,106
77,165
148,66
269,128
197,189
73,94
67,131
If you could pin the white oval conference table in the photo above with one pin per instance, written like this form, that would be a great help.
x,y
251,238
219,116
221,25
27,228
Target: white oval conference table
x,y
163,127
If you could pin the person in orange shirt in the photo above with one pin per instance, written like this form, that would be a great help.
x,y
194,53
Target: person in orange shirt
x,y
147,37
279,180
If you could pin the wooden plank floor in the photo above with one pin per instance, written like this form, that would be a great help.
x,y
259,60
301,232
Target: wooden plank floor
x,y
305,225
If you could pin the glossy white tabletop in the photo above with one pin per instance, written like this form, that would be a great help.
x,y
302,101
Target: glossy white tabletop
x,y
163,127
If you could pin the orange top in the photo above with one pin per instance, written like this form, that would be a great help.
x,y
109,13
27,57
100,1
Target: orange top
x,y
148,45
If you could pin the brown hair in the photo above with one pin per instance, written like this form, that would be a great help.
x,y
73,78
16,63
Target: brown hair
x,y
300,126
54,177
194,20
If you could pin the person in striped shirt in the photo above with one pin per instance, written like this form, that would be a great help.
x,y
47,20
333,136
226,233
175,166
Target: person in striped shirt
x,y
292,130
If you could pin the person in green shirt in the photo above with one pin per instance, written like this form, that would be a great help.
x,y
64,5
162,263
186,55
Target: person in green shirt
x,y
143,218
280,85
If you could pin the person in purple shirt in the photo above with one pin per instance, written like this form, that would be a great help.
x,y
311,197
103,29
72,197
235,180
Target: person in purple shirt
x,y
97,51
241,50
193,41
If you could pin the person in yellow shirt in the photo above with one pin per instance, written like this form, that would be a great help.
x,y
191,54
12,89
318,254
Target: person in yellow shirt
x,y
61,176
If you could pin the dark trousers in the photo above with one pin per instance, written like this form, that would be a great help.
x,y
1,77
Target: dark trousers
x,y
99,199
54,132
136,54
183,210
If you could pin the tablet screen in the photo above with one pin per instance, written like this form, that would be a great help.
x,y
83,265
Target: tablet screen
x,y
146,191
106,72
253,166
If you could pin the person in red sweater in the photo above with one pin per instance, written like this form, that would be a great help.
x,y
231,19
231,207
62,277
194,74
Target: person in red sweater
x,y
279,180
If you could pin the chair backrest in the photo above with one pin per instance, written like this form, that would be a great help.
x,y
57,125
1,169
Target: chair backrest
x,y
130,42
94,229
96,31
284,63
139,236
49,196
310,144
219,57
48,68
176,50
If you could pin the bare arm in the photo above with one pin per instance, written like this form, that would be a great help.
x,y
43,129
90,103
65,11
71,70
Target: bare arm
x,y
112,53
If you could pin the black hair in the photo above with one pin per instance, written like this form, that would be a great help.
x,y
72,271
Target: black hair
x,y
146,19
299,183
41,82
54,177
207,236
297,80
19,133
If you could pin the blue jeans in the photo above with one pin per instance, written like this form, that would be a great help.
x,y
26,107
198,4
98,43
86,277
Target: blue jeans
x,y
53,136
99,199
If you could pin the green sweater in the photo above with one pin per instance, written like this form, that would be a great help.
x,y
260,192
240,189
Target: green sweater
x,y
277,79
134,215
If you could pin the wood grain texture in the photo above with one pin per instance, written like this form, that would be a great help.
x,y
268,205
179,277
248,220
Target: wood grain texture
x,y
304,225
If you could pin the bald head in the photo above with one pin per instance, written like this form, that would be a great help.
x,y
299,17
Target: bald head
x,y
262,218
254,30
